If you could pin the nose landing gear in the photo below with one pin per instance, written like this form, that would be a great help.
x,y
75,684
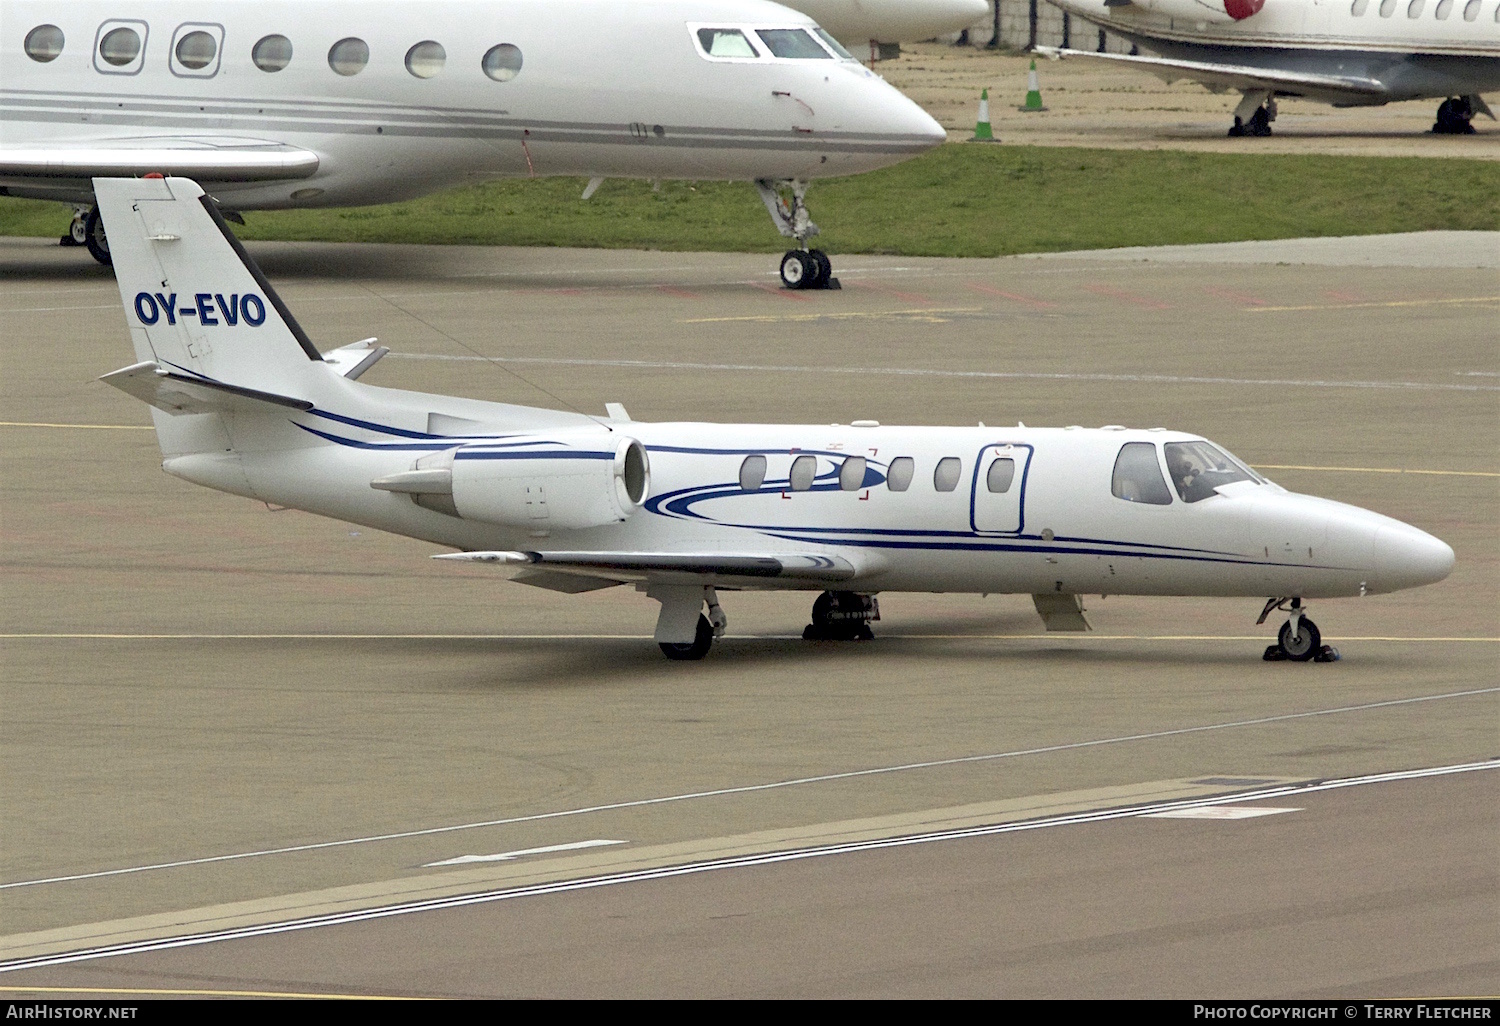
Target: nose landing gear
x,y
842,616
801,268
1299,639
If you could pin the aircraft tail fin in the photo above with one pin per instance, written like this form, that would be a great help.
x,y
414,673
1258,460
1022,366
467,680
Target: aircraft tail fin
x,y
195,301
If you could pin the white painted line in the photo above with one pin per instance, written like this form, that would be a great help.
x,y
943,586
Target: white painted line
x,y
506,856
749,788
737,862
923,372
1220,812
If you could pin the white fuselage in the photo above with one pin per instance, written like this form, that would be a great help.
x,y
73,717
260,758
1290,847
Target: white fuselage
x,y
603,89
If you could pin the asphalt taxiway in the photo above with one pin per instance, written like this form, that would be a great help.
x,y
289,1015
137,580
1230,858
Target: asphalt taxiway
x,y
215,714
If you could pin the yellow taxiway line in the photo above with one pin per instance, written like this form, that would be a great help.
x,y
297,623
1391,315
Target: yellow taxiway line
x,y
150,992
1372,305
1378,470
82,427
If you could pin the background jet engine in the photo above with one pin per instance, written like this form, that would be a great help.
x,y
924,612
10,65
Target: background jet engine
x,y
539,483
1216,11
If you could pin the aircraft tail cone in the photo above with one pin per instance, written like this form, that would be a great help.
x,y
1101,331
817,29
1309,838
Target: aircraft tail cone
x,y
1033,92
982,130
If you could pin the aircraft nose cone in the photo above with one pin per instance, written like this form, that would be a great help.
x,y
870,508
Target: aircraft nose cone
x,y
1405,557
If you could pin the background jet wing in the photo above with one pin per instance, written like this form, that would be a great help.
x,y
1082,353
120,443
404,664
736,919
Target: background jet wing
x,y
204,158
634,567
1238,76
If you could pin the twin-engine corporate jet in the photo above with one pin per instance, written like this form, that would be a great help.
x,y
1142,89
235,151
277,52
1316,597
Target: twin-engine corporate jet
x,y
274,103
1349,53
243,402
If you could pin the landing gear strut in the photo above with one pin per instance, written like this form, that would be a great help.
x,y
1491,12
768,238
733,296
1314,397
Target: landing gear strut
x,y
801,268
1254,115
1299,639
681,620
842,616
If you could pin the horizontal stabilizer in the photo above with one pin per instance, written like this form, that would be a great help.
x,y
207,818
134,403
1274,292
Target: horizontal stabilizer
x,y
207,159
353,360
640,566
1237,76
177,394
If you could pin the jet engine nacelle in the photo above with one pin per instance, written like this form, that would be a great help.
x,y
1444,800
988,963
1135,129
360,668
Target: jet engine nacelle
x,y
1216,11
556,481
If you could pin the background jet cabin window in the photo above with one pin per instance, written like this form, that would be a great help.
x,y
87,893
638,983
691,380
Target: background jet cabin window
x,y
1443,7
945,474
725,43
44,43
898,475
1137,476
804,470
1414,9
272,53
1388,7
1359,7
793,43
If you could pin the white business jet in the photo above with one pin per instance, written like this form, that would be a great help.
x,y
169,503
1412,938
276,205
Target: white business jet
x,y
860,22
1348,53
243,402
274,104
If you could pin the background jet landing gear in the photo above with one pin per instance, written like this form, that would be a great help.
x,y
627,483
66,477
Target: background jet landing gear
x,y
1299,639
807,269
77,233
1254,115
94,238
1453,117
842,616
801,268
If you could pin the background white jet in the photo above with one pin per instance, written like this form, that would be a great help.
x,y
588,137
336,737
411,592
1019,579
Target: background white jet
x,y
1348,53
275,103
244,402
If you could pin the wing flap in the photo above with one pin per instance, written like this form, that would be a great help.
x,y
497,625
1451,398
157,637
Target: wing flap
x,y
153,384
206,159
628,567
1237,76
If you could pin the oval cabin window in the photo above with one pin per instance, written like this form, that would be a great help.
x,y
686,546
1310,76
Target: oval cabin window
x,y
502,63
426,59
44,43
196,50
349,56
120,46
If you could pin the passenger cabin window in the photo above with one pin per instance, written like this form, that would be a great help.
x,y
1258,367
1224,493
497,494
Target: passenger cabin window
x,y
752,473
1471,10
44,43
1138,475
272,53
1001,473
120,49
1388,7
804,469
195,50
1359,7
794,43
898,474
852,474
945,474
503,62
1414,9
426,59
349,56
725,43
1197,468
1443,9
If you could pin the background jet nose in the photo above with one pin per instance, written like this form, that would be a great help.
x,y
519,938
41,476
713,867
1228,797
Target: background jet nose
x,y
1406,558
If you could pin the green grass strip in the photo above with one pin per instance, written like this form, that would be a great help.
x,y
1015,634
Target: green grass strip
x,y
958,200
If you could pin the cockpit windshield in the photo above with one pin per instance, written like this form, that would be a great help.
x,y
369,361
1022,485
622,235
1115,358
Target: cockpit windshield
x,y
1197,468
725,42
834,44
792,43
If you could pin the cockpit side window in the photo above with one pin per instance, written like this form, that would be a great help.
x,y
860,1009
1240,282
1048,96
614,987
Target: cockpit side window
x,y
834,44
725,42
1197,468
1138,475
794,43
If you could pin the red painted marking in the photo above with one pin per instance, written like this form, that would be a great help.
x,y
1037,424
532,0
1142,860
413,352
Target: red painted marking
x,y
1237,297
865,497
1239,10
910,297
680,293
1127,297
783,292
1016,296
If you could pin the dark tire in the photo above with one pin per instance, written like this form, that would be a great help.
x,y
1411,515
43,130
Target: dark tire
x,y
1305,645
95,239
1260,123
824,269
798,269
1453,117
1237,129
695,649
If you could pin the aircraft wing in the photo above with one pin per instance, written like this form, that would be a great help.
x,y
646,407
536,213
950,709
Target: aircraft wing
x,y
551,569
1236,76
205,158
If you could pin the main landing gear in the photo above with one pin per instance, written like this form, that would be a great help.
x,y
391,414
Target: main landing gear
x,y
842,616
87,229
1298,640
682,631
1455,113
801,268
1254,115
